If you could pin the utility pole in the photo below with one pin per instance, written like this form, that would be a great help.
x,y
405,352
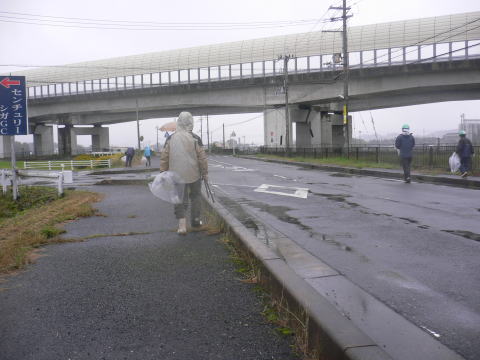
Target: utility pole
x,y
285,59
201,128
208,135
223,125
138,124
346,73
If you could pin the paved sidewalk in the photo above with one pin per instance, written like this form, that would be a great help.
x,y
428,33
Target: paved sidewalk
x,y
154,295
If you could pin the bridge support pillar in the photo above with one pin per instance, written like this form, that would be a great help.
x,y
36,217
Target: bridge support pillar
x,y
275,127
67,140
100,138
5,147
43,140
318,128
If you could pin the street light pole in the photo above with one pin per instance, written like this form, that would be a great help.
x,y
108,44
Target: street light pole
x,y
345,74
138,124
286,58
157,128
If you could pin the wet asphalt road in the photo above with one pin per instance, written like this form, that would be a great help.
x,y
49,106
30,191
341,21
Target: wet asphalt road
x,y
415,247
149,296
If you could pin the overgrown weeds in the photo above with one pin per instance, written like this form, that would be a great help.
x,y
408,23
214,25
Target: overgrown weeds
x,y
33,227
276,309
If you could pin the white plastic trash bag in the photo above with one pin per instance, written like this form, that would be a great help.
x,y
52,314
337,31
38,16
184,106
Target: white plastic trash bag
x,y
124,159
143,160
454,162
168,186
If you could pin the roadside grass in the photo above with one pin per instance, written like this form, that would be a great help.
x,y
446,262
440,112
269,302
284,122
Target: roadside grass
x,y
360,164
275,310
332,161
8,164
40,224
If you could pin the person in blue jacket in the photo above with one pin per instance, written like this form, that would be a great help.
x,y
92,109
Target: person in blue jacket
x,y
147,152
405,142
465,152
129,156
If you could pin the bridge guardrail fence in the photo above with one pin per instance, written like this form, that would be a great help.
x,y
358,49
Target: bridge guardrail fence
x,y
424,156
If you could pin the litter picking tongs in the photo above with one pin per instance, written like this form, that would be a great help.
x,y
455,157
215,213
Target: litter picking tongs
x,y
208,190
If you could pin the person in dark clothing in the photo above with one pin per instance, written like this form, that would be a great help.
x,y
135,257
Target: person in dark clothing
x,y
465,152
405,143
129,156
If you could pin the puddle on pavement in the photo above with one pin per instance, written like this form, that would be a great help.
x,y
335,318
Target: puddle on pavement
x,y
337,197
343,185
280,212
409,220
341,175
466,234
423,227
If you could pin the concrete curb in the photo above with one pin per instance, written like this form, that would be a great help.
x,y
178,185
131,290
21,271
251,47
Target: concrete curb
x,y
468,183
329,334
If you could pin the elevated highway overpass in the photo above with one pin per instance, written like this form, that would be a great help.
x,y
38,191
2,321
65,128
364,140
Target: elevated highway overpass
x,y
391,64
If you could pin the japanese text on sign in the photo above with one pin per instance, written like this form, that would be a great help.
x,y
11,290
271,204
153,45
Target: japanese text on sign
x,y
13,106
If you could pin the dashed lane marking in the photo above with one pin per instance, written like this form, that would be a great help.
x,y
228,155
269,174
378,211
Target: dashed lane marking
x,y
283,190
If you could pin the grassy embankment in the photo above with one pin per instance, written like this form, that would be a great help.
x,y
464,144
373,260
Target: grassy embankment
x,y
35,220
332,161
360,164
8,165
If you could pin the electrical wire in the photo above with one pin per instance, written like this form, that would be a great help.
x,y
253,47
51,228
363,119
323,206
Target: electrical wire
x,y
160,23
158,26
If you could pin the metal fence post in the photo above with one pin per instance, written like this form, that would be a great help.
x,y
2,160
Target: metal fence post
x,y
377,153
430,156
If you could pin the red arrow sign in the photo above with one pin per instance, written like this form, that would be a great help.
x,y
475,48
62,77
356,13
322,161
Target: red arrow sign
x,y
7,82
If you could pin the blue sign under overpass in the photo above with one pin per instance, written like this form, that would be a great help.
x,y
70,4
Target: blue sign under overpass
x,y
13,106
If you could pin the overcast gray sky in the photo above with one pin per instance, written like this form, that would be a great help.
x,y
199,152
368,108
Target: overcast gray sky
x,y
25,44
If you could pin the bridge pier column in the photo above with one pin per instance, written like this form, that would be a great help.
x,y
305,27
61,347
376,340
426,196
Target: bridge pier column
x,y
100,138
318,128
67,140
5,147
275,127
43,140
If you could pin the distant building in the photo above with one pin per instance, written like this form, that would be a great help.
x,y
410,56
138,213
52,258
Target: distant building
x,y
472,128
450,138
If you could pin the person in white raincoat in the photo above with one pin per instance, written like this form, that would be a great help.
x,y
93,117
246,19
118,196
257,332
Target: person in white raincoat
x,y
183,153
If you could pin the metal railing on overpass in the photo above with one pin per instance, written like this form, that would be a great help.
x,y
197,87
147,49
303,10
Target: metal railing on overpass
x,y
437,52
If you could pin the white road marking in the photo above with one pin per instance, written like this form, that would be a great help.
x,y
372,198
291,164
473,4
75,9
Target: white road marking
x,y
236,185
228,166
297,192
280,176
430,331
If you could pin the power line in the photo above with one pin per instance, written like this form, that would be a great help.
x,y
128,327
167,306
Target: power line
x,y
158,27
160,23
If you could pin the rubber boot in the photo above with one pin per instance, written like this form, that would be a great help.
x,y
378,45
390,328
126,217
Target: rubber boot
x,y
182,226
